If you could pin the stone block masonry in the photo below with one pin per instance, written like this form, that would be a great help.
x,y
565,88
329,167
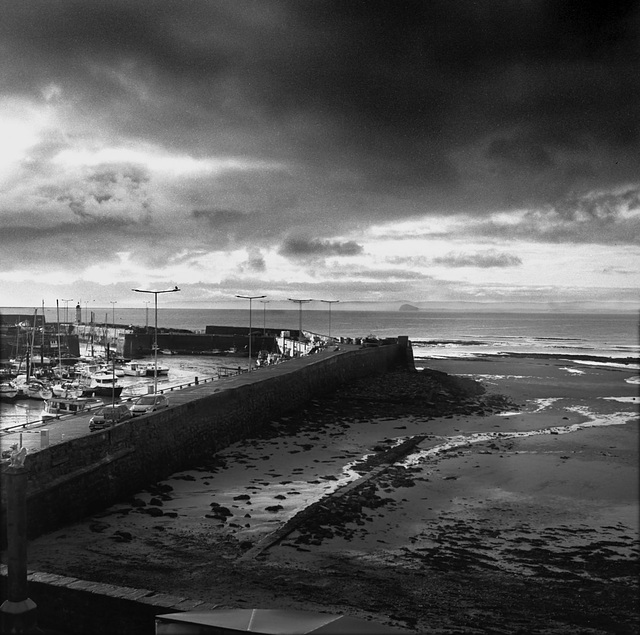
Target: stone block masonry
x,y
72,480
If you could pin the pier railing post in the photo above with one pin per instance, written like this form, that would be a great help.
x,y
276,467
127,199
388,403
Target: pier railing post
x,y
18,611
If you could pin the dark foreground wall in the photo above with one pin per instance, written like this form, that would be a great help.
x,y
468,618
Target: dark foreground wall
x,y
69,606
71,480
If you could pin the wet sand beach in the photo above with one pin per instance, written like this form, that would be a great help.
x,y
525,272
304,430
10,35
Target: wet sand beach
x,y
421,500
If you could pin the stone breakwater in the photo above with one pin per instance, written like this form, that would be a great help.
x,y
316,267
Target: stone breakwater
x,y
71,480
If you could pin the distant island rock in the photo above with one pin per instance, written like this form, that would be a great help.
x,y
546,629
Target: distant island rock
x,y
408,307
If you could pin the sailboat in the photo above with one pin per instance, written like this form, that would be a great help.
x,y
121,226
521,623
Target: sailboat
x,y
8,391
69,389
63,388
29,386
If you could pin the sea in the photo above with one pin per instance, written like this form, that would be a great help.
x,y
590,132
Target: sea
x,y
443,333
605,339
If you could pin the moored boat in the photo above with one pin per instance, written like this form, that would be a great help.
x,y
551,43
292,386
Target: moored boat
x,y
151,370
8,391
33,388
103,385
116,370
135,369
86,369
68,389
59,406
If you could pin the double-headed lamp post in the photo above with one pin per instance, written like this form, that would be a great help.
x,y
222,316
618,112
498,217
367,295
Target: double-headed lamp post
x,y
329,302
155,332
113,353
113,321
300,303
250,298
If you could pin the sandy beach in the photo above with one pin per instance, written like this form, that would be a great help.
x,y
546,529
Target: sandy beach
x,y
420,500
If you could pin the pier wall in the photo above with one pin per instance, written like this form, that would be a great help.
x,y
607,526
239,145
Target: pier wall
x,y
136,345
71,480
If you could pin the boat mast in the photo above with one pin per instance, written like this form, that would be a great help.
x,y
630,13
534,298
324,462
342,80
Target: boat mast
x,y
33,339
59,350
19,355
42,340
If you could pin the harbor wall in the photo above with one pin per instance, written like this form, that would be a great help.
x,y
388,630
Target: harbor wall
x,y
136,345
72,480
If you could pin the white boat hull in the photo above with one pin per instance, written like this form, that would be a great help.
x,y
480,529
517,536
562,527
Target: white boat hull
x,y
151,370
8,392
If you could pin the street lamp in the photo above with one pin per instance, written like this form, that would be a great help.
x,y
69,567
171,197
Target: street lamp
x,y
329,302
155,332
300,303
113,322
113,354
250,298
264,317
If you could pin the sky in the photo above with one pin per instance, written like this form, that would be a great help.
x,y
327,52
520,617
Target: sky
x,y
372,152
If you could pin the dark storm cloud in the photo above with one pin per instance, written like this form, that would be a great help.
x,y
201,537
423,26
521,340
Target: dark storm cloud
x,y
255,263
483,260
300,247
454,103
104,191
527,153
67,244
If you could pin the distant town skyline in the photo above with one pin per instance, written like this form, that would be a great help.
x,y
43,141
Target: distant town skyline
x,y
379,152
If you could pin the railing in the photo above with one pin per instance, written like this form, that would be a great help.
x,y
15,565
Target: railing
x,y
196,382
37,422
231,371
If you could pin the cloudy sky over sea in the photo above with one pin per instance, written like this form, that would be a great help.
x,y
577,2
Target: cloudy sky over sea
x,y
374,151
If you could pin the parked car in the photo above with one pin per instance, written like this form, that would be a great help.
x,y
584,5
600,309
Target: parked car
x,y
149,403
109,415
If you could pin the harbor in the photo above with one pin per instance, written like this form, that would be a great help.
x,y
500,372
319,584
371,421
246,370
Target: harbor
x,y
182,371
118,363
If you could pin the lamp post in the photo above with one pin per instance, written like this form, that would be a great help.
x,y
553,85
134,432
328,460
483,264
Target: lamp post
x,y
329,302
113,353
264,317
155,332
113,319
300,303
250,298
